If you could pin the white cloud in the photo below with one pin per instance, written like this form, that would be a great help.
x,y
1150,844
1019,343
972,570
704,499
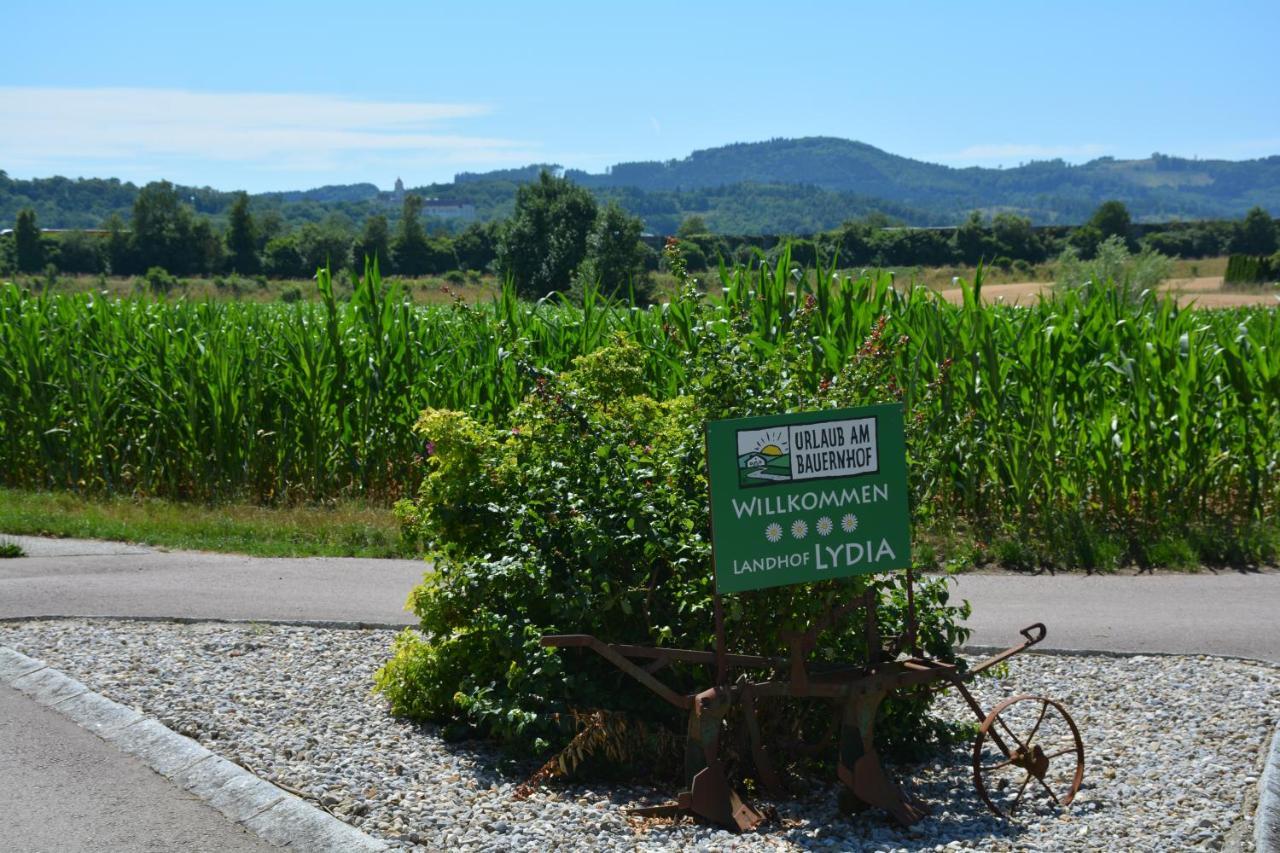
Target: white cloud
x,y
1009,152
50,130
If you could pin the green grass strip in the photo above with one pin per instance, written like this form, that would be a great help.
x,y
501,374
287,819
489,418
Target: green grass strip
x,y
343,530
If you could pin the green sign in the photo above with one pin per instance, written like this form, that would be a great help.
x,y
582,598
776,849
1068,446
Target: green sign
x,y
805,497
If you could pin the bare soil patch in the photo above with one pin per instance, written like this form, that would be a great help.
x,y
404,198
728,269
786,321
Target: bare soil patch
x,y
1018,293
1203,291
1200,284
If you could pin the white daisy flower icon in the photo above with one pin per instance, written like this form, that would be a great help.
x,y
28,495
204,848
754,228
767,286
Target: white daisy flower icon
x,y
849,523
824,526
773,532
799,529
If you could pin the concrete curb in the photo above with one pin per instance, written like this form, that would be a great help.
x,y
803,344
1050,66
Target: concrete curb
x,y
1266,821
277,817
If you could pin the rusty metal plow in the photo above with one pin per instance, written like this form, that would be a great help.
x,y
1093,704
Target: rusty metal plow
x,y
1027,746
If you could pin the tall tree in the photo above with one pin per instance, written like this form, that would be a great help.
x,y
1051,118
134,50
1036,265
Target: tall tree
x,y
26,242
282,258
162,230
412,255
973,240
326,243
119,247
207,253
692,226
1112,220
373,245
439,257
1256,235
269,225
1015,238
80,251
615,255
242,237
546,238
477,246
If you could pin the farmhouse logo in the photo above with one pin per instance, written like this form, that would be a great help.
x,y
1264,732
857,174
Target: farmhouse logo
x,y
836,502
811,451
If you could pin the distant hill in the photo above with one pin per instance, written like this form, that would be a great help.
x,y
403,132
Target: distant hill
x,y
1049,192
783,186
332,192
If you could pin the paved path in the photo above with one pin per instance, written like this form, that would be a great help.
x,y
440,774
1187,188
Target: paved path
x,y
63,789
1225,614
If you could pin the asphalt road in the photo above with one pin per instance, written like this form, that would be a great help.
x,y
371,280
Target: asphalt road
x,y
62,789
1220,614
1224,614
69,577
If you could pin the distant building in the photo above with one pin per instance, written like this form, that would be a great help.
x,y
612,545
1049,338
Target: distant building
x,y
399,193
439,209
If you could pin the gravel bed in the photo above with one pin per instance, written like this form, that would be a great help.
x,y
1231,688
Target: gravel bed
x,y
1174,748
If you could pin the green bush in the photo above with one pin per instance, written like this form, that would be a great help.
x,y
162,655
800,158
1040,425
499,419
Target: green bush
x,y
1116,267
1012,550
588,514
1173,552
159,281
1254,543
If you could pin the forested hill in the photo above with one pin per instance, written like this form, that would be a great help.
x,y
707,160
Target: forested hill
x,y
783,186
1051,191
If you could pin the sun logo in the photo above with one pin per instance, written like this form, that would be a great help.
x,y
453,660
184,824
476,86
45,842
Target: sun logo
x,y
824,526
771,442
799,529
764,456
849,523
773,532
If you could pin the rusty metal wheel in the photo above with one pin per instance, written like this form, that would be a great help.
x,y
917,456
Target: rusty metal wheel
x,y
1028,751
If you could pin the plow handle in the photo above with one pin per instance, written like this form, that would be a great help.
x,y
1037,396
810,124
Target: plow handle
x,y
1040,630
566,641
1033,634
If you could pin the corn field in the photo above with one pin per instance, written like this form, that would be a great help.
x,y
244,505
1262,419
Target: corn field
x,y
1081,407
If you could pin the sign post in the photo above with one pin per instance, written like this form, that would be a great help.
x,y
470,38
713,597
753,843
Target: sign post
x,y
807,497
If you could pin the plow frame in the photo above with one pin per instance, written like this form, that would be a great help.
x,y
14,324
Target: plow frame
x,y
856,690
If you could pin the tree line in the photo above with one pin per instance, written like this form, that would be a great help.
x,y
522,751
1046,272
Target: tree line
x,y
559,237
1005,240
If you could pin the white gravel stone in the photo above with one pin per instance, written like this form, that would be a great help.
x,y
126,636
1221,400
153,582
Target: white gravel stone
x,y
1170,743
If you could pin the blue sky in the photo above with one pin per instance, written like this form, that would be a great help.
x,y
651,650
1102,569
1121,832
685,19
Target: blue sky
x,y
275,95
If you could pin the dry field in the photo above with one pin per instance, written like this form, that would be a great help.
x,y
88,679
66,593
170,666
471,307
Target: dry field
x,y
1204,291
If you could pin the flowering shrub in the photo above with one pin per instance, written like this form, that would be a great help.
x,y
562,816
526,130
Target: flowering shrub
x,y
589,515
